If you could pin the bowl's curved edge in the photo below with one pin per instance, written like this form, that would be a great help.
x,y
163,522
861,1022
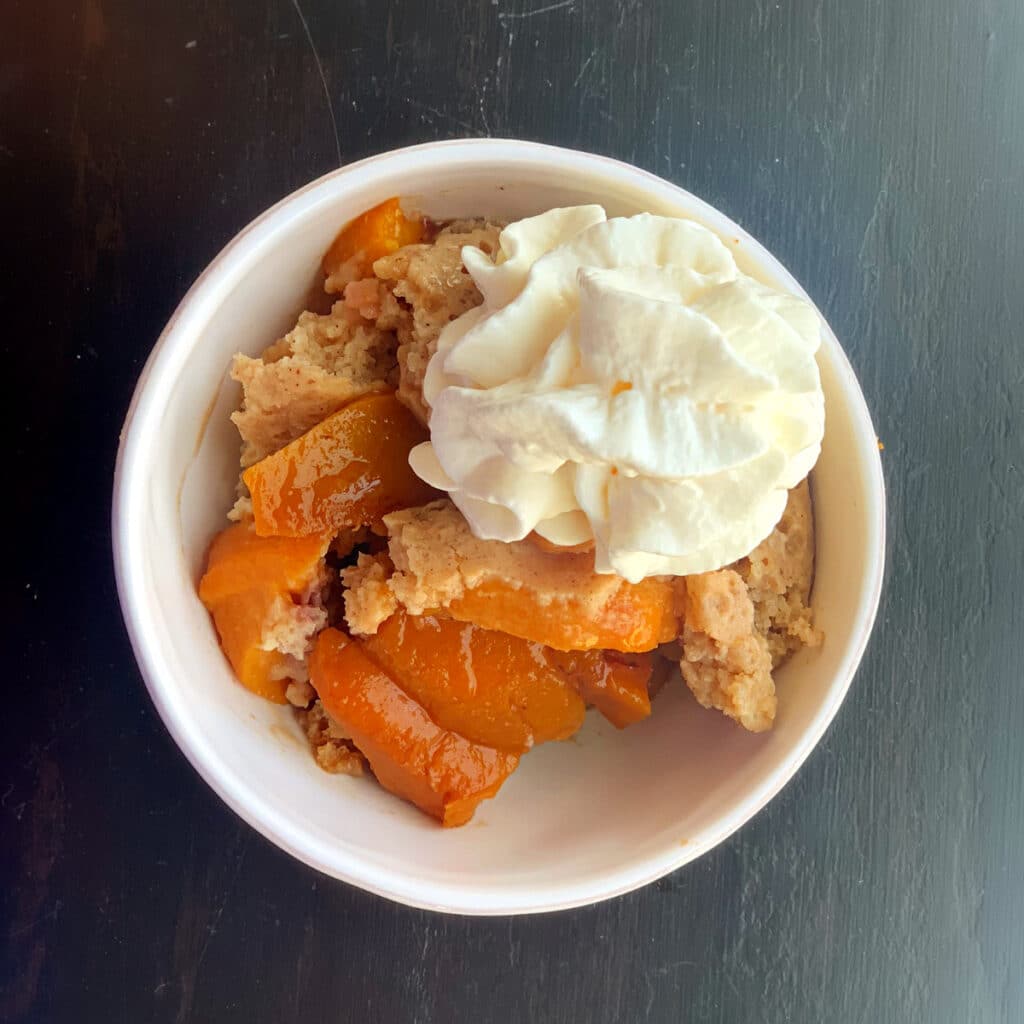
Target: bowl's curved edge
x,y
383,883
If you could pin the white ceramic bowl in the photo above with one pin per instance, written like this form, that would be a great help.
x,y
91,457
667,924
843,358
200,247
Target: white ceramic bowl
x,y
580,821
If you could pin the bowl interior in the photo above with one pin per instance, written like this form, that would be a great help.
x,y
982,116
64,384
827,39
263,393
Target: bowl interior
x,y
580,820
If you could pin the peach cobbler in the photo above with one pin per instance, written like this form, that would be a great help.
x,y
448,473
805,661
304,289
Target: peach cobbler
x,y
507,473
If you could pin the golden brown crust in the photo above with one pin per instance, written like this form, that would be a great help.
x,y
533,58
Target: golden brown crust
x,y
293,622
740,623
324,362
427,287
726,662
368,599
779,573
333,750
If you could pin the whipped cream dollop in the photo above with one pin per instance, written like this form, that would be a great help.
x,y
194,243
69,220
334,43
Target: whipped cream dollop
x,y
623,382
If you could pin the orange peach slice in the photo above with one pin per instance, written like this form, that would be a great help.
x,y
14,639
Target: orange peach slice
x,y
490,687
246,578
636,617
378,232
616,684
346,472
412,756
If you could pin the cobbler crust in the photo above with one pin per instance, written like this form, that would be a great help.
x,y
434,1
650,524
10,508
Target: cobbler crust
x,y
324,362
740,623
424,288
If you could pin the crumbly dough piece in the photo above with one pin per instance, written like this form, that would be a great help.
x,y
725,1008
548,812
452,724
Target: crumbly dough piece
x,y
300,693
426,287
741,622
436,559
778,574
368,598
242,508
291,626
291,629
326,361
331,746
726,662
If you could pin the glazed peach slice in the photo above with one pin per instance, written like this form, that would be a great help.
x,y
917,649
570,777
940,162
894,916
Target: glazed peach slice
x,y
636,617
412,756
378,232
616,684
490,687
346,472
250,581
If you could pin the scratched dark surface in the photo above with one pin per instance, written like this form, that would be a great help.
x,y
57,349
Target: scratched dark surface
x,y
876,147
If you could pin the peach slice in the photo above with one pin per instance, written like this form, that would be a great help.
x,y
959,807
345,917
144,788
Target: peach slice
x,y
490,687
377,232
616,684
246,579
636,617
412,756
346,472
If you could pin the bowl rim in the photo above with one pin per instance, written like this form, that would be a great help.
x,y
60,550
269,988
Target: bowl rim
x,y
264,818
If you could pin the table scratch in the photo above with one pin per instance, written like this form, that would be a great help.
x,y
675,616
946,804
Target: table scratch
x,y
519,15
323,78
583,68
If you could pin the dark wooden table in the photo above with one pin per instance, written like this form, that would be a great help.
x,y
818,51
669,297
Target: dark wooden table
x,y
877,147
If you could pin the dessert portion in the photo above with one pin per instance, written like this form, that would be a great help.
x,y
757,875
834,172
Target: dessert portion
x,y
513,473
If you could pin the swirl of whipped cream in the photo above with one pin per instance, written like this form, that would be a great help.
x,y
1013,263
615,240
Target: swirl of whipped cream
x,y
623,382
